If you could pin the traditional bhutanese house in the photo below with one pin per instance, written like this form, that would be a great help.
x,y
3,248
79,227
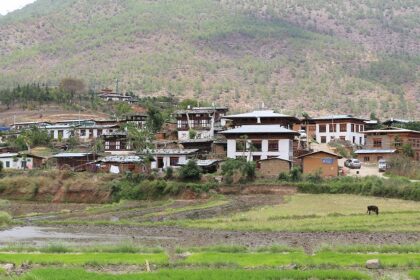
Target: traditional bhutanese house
x,y
20,161
255,142
203,145
122,164
320,161
27,125
164,158
219,148
115,97
272,167
374,155
208,165
61,132
392,139
328,128
396,122
92,132
76,161
199,122
262,117
117,143
138,120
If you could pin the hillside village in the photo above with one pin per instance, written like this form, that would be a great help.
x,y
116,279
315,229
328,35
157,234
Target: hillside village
x,y
208,136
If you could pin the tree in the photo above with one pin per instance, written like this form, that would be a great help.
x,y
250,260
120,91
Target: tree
x,y
122,110
1,166
191,171
407,150
140,139
155,119
72,86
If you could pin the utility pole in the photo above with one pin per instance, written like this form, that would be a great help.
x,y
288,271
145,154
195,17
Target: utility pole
x,y
116,86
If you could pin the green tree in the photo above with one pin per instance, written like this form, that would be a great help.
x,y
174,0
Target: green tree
x,y
191,171
140,139
407,150
122,109
155,119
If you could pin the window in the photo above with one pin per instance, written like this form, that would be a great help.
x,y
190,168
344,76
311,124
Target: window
x,y
333,127
354,139
323,139
377,143
352,127
273,145
117,145
90,133
205,123
256,158
322,128
357,128
83,132
366,159
174,161
343,138
343,127
107,145
380,157
360,140
398,141
60,134
256,146
99,132
240,145
7,164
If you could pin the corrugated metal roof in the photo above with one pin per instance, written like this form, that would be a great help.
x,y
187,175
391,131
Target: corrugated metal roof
x,y
8,155
171,151
336,117
375,151
63,155
259,114
272,128
316,152
395,130
122,159
206,162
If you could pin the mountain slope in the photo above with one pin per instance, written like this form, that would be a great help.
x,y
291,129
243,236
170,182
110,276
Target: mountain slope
x,y
237,52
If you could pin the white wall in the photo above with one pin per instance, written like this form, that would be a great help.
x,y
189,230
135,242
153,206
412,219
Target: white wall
x,y
16,163
348,134
285,150
167,161
201,134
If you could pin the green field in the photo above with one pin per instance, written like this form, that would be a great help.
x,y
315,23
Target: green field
x,y
62,274
304,212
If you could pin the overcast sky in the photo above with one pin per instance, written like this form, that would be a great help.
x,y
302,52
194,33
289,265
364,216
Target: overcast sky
x,y
11,5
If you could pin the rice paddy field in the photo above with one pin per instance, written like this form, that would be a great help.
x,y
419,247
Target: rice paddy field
x,y
290,236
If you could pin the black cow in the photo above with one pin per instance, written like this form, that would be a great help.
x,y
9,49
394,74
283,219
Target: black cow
x,y
373,208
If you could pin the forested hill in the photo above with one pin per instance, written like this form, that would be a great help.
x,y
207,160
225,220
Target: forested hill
x,y
315,56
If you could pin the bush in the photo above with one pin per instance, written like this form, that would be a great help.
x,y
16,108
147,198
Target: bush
x,y
283,176
295,174
169,173
191,171
5,219
246,170
374,186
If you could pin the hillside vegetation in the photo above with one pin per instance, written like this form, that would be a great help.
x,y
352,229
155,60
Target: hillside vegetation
x,y
316,56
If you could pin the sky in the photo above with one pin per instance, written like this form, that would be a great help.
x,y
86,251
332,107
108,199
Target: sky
x,y
7,6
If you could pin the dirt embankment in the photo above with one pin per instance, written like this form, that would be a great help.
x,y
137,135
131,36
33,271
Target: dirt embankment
x,y
59,186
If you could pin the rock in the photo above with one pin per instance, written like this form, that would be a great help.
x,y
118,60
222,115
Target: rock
x,y
8,267
184,255
373,264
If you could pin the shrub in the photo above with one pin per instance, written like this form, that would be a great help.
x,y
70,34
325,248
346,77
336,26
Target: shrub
x,y
5,219
191,171
283,176
295,174
232,167
169,173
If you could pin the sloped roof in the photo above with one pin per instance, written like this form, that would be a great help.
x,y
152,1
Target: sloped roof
x,y
272,128
317,152
67,155
122,159
337,117
171,151
8,155
375,151
259,114
207,162
390,130
275,158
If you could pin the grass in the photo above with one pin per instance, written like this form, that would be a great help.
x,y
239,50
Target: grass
x,y
366,248
82,258
415,274
5,219
322,212
66,274
321,259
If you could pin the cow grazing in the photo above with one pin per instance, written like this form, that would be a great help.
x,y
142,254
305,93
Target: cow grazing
x,y
373,208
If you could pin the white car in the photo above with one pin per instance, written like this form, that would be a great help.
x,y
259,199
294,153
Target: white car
x,y
382,165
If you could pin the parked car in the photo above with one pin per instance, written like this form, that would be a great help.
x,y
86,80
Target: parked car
x,y
353,163
382,165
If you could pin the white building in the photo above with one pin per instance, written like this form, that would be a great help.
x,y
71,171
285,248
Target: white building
x,y
60,132
164,158
339,127
89,133
17,161
256,142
